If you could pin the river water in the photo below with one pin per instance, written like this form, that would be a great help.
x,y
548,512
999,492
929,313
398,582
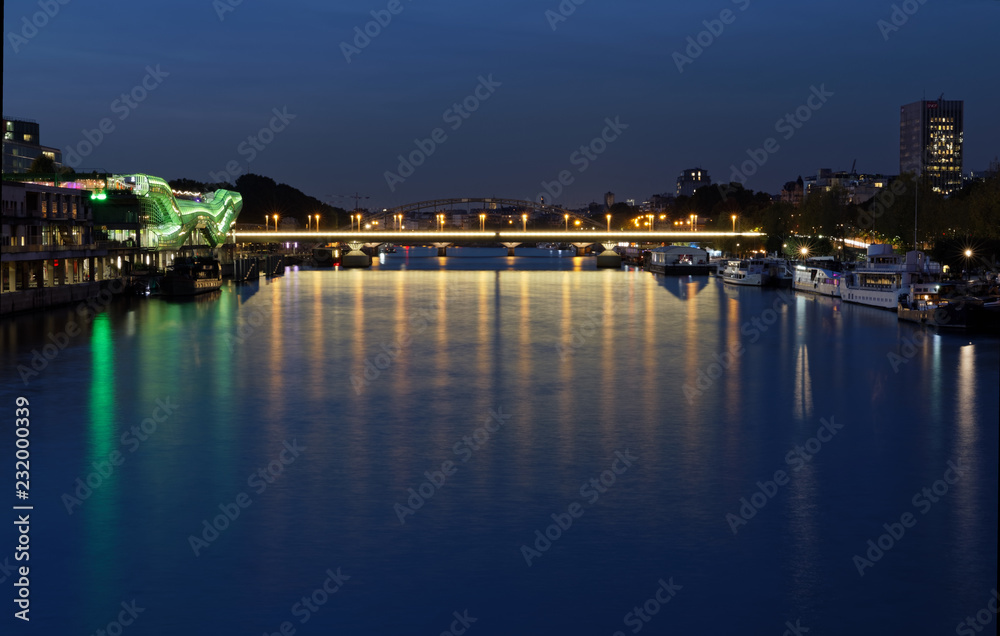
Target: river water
x,y
530,443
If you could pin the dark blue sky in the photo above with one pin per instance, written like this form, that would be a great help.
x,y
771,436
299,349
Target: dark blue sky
x,y
221,80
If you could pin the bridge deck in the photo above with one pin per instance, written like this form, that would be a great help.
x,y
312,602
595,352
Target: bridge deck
x,y
470,236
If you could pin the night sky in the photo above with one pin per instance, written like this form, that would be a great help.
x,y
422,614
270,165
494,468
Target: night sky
x,y
219,72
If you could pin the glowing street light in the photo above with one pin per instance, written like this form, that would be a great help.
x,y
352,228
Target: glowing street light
x,y
316,223
566,218
308,221
734,223
265,222
275,222
524,221
652,221
609,222
482,222
693,217
804,251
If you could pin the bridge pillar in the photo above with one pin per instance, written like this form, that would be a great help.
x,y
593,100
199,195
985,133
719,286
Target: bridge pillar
x,y
609,258
355,258
582,248
510,247
442,248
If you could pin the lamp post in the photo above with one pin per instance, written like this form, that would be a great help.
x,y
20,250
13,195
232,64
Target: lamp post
x,y
265,222
652,221
482,222
609,221
524,222
566,218
308,221
734,223
316,224
275,222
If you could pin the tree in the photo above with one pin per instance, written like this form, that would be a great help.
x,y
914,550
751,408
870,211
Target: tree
x,y
43,164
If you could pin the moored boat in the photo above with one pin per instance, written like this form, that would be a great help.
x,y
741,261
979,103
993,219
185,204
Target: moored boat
x,y
191,275
751,272
885,277
814,278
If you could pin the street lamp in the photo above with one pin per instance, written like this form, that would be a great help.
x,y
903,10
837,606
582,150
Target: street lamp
x,y
566,218
692,217
524,221
482,222
609,221
275,222
265,222
652,221
804,251
316,223
308,221
734,223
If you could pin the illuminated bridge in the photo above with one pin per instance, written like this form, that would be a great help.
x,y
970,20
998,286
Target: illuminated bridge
x,y
491,208
442,239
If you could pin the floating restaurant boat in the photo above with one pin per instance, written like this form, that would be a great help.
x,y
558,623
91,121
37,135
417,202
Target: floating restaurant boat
x,y
678,259
191,275
886,277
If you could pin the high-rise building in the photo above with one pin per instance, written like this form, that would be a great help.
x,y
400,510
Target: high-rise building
x,y
692,179
21,145
930,142
609,200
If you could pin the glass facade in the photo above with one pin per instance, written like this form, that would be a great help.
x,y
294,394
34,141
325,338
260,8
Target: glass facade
x,y
931,137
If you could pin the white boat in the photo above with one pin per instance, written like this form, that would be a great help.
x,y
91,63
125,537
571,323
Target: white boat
x,y
751,272
815,279
885,277
758,272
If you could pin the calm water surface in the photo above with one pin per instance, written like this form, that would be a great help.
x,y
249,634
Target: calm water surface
x,y
377,378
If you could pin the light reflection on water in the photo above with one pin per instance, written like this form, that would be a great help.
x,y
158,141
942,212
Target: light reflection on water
x,y
586,363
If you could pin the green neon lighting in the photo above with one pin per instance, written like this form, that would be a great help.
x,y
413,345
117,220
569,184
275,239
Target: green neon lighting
x,y
173,220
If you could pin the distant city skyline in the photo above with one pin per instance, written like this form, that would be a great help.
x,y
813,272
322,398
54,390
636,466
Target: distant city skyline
x,y
412,101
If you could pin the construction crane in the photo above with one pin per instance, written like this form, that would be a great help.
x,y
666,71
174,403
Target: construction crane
x,y
356,196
